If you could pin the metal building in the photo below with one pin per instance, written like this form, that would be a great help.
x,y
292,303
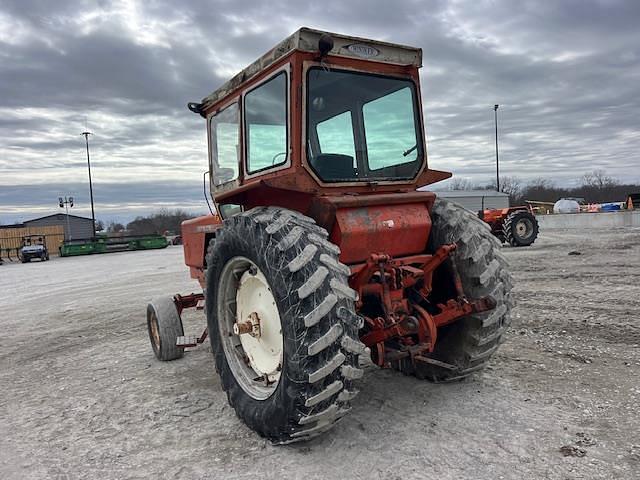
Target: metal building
x,y
476,200
74,229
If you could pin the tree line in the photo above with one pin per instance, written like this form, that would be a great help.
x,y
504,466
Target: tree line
x,y
160,222
594,187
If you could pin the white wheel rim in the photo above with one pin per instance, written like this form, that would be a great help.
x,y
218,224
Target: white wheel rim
x,y
255,358
523,228
263,348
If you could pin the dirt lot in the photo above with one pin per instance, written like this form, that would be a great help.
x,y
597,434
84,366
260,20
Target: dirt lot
x,y
81,395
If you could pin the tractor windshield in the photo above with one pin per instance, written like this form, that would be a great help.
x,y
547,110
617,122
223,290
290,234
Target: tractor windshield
x,y
362,127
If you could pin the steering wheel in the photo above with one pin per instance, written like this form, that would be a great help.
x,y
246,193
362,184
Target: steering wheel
x,y
273,160
224,174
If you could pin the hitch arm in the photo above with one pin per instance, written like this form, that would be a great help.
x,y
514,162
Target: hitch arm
x,y
456,309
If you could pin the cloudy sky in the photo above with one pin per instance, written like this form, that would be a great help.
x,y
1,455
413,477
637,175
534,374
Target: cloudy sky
x,y
566,74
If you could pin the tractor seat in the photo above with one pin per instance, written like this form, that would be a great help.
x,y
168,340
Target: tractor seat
x,y
334,166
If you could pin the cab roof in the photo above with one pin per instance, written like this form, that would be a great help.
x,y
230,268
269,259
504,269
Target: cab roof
x,y
306,40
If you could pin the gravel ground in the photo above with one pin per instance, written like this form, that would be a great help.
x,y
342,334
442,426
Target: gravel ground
x,y
81,395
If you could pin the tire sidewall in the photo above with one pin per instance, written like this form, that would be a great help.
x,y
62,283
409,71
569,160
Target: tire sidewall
x,y
156,348
317,315
169,325
283,399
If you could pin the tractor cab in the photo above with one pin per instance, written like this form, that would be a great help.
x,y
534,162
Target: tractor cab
x,y
318,122
320,114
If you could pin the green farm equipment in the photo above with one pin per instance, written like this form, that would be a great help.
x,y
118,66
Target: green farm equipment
x,y
104,244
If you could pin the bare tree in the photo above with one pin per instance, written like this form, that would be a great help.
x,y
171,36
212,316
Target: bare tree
x,y
163,221
542,190
598,179
460,183
512,186
540,183
115,227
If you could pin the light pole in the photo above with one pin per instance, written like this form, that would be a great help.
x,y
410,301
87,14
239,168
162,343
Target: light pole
x,y
495,114
93,215
66,203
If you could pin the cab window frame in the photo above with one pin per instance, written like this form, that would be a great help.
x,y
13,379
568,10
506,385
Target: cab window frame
x,y
235,103
359,130
286,163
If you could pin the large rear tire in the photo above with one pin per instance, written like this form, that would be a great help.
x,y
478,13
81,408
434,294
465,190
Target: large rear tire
x,y
467,345
520,228
294,384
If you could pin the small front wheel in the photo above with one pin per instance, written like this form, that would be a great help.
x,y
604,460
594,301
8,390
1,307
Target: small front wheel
x,y
165,326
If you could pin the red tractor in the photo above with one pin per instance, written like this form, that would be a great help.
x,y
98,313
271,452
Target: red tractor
x,y
322,249
516,226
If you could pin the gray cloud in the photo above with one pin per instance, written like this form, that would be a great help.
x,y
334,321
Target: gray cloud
x,y
566,75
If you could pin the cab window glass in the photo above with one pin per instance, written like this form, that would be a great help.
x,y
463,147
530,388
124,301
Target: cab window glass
x,y
335,135
225,141
229,209
362,126
390,128
265,110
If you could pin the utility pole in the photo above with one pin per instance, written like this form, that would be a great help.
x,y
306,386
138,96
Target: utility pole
x,y
66,203
495,114
93,215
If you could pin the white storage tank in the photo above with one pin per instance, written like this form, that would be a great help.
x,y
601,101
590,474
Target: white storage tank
x,y
566,206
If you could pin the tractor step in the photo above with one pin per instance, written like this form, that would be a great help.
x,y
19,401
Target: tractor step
x,y
187,341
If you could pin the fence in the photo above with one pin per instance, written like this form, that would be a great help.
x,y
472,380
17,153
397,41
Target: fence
x,y
11,239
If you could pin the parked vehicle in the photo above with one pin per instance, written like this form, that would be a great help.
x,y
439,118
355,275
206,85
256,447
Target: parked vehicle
x,y
322,249
516,226
33,246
